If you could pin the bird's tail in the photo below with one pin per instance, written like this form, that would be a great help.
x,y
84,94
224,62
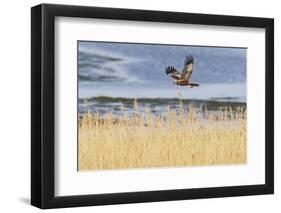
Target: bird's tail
x,y
194,84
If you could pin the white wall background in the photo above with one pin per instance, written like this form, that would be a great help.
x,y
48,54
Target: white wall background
x,y
15,105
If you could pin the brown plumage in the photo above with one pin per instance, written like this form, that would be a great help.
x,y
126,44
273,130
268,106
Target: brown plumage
x,y
182,79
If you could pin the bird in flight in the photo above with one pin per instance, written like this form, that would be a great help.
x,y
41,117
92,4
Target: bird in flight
x,y
182,79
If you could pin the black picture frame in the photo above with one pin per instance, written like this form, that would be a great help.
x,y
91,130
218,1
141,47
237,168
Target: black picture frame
x,y
43,102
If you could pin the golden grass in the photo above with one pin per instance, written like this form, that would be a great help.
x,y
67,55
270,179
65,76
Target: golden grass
x,y
176,138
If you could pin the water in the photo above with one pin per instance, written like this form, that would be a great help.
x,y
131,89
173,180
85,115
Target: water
x,y
121,71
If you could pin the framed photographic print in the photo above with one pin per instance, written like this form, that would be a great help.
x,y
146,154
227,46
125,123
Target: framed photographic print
x,y
139,106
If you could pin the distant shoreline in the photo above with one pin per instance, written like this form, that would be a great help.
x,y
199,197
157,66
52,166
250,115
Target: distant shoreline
x,y
219,92
161,100
104,104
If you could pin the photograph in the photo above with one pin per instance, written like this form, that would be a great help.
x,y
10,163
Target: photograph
x,y
141,105
160,105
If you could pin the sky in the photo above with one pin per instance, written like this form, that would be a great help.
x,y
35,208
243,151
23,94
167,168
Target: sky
x,y
138,70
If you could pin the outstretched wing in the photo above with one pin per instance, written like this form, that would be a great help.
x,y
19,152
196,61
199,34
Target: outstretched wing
x,y
188,68
173,73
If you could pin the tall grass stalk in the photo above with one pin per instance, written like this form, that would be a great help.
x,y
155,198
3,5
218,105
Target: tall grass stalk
x,y
176,138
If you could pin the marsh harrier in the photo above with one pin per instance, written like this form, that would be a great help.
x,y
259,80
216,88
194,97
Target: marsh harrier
x,y
182,79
